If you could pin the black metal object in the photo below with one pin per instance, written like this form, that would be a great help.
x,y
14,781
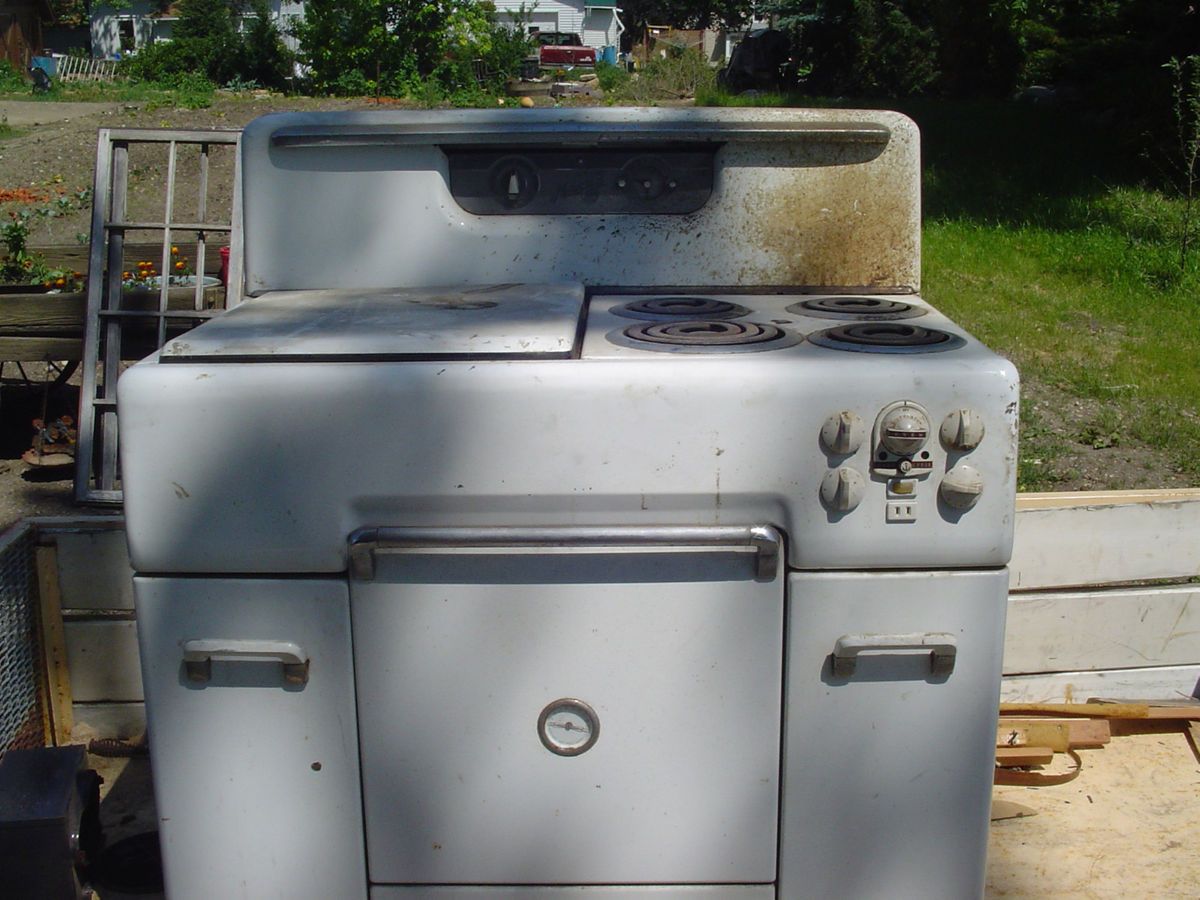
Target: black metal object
x,y
886,337
584,181
669,309
49,823
704,336
864,309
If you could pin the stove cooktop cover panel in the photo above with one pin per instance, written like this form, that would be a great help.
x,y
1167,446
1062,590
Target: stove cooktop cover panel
x,y
505,321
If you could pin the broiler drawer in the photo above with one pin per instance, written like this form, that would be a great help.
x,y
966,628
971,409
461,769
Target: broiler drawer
x,y
568,717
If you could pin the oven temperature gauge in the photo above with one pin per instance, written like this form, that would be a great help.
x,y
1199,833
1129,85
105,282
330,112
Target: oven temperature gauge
x,y
901,432
568,727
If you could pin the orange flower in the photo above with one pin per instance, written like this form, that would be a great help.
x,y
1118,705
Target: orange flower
x,y
180,264
174,250
125,275
59,282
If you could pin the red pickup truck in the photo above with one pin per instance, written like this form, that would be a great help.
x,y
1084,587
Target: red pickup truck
x,y
558,48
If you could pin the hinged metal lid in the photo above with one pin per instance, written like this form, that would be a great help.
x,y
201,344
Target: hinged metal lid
x,y
510,321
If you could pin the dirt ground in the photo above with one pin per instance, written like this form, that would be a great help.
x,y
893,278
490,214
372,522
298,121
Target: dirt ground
x,y
1126,827
53,156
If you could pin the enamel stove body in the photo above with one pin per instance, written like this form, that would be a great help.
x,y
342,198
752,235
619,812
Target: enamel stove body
x,y
585,503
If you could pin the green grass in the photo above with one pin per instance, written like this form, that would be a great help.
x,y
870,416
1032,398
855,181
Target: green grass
x,y
188,92
1042,238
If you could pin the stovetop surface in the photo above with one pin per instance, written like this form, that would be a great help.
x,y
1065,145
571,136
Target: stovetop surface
x,y
555,321
495,321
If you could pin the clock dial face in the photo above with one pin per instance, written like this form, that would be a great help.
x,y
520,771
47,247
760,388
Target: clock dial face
x,y
568,727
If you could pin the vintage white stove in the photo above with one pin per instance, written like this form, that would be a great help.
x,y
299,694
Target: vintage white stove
x,y
584,504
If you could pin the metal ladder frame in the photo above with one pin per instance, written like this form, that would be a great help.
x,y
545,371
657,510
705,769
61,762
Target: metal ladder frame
x,y
96,475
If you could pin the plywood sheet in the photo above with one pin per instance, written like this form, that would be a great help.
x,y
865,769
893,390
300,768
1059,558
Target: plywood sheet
x,y
1102,544
103,660
1094,630
93,570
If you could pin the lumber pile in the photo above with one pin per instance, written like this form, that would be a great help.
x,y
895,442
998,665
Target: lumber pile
x,y
1029,736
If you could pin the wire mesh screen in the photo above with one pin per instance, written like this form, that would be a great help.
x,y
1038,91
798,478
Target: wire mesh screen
x,y
22,701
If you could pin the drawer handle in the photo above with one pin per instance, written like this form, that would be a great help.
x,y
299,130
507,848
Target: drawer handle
x,y
941,645
198,656
764,541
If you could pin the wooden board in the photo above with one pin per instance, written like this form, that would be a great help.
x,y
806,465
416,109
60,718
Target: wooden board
x,y
1166,682
1105,542
1103,629
54,650
75,257
1099,543
1007,757
1058,734
1065,499
102,657
94,571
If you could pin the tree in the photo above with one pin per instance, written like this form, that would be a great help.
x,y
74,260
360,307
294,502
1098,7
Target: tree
x,y
392,46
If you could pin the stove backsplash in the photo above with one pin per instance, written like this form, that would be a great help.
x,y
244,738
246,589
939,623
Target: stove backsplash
x,y
739,198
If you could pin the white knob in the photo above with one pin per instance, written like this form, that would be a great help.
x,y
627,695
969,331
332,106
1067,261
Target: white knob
x,y
843,433
904,431
842,489
961,487
962,430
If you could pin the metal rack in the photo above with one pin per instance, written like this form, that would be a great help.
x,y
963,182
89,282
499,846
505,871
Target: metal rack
x,y
96,474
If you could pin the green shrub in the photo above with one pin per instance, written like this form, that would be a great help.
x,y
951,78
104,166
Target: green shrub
x,y
11,81
611,78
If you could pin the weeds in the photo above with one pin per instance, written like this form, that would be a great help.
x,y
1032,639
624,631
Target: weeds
x,y
675,77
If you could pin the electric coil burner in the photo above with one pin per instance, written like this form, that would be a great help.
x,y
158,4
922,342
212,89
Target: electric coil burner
x,y
704,336
886,337
545,547
874,309
666,309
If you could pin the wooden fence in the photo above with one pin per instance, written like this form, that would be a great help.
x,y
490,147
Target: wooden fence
x,y
1101,604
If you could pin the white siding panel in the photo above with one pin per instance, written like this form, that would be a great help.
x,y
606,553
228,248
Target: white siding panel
x,y
1104,543
1163,683
1093,630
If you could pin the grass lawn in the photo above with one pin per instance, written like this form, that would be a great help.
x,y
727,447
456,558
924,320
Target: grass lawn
x,y
1040,239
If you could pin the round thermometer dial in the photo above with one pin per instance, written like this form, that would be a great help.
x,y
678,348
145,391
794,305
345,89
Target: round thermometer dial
x,y
568,727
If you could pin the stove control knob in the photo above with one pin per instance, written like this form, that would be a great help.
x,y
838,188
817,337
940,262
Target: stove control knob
x,y
843,433
962,430
961,487
842,489
905,430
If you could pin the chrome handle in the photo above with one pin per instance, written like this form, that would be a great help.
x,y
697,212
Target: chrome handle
x,y
764,540
941,646
506,132
198,655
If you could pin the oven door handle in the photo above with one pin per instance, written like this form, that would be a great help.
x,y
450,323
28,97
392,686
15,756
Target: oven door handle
x,y
198,656
941,646
765,541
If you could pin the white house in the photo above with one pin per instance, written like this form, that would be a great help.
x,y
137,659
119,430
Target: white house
x,y
121,30
597,22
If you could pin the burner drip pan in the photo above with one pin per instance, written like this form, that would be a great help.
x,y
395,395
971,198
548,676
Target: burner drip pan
x,y
703,336
886,337
863,309
673,309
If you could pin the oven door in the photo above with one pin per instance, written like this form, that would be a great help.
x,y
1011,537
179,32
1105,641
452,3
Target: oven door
x,y
569,706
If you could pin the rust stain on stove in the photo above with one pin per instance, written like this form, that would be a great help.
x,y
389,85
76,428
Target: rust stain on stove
x,y
843,219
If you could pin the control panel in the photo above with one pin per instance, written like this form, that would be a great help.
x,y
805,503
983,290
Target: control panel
x,y
584,181
906,459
